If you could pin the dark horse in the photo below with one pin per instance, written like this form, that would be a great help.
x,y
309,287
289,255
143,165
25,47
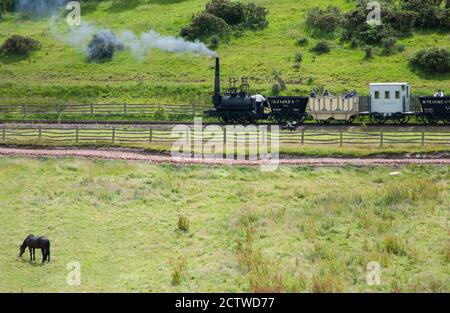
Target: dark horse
x,y
33,242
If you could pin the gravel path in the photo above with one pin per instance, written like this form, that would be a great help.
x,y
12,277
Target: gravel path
x,y
158,158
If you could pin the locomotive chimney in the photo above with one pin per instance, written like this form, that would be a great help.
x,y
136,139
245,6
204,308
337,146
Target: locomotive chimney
x,y
216,98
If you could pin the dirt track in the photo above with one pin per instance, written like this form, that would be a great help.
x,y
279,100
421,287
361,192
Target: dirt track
x,y
155,158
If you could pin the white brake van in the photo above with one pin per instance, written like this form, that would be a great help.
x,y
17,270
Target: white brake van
x,y
389,98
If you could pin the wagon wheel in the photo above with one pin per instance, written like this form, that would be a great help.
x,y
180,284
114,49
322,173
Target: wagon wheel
x,y
249,118
224,118
377,118
302,118
430,118
447,120
294,118
328,121
235,118
279,119
401,118
351,120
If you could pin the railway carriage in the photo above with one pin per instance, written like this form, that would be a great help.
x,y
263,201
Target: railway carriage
x,y
329,109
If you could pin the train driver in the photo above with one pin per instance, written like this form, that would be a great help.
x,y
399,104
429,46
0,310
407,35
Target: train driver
x,y
259,101
439,94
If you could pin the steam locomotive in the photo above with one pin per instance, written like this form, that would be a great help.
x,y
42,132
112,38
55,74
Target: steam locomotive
x,y
238,106
386,102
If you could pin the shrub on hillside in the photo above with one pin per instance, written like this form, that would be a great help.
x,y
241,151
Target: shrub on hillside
x,y
390,46
368,52
256,16
214,42
444,19
231,12
205,24
325,20
302,41
102,46
221,16
321,47
435,60
427,11
402,21
19,46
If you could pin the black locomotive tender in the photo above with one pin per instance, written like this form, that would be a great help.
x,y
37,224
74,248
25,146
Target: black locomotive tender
x,y
387,101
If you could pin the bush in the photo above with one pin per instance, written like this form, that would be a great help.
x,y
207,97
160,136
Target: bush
x,y
231,12
19,46
214,44
368,52
444,18
204,24
298,57
256,16
402,21
102,46
322,47
302,41
327,20
276,89
427,11
389,45
435,60
220,16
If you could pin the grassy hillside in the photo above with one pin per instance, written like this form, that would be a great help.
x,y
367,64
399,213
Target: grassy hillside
x,y
297,229
61,71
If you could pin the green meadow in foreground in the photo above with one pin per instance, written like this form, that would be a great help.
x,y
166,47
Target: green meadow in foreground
x,y
61,72
158,228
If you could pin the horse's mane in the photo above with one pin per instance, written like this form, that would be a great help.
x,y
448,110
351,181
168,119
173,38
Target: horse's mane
x,y
26,239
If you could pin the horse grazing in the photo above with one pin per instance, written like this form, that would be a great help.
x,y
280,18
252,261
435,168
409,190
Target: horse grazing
x,y
33,243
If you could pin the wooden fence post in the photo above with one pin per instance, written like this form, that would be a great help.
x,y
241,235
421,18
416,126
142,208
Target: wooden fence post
x,y
24,109
92,109
193,108
4,133
303,137
125,109
341,138
113,135
150,135
39,133
58,109
76,134
381,138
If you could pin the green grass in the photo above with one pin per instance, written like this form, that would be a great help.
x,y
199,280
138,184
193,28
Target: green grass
x,y
60,71
297,229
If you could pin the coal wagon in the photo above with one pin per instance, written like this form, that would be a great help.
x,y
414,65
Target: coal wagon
x,y
435,109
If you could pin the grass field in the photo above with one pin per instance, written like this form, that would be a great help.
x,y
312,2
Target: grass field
x,y
298,229
61,72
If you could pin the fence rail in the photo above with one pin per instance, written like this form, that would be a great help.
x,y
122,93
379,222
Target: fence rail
x,y
139,135
105,109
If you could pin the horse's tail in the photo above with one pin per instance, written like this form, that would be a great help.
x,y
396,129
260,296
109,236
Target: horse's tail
x,y
48,251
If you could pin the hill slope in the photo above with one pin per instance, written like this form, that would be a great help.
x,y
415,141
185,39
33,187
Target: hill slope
x,y
61,71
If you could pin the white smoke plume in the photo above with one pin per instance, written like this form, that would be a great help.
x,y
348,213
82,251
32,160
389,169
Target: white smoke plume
x,y
139,45
39,6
